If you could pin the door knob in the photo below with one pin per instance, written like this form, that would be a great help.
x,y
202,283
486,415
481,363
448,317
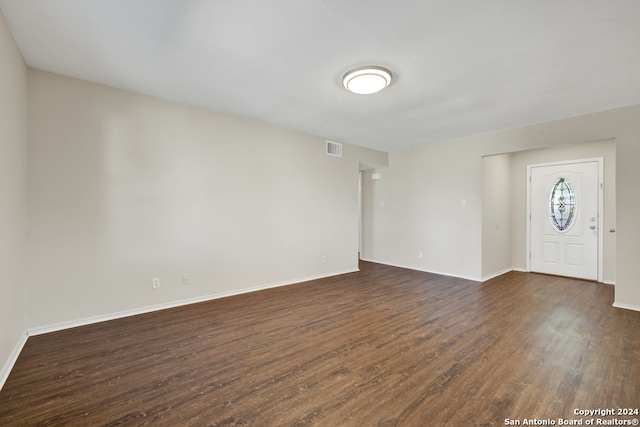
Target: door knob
x,y
593,227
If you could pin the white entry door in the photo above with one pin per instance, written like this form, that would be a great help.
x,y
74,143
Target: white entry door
x,y
564,215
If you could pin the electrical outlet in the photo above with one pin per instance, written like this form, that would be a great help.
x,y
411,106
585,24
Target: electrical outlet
x,y
185,278
420,254
155,282
324,259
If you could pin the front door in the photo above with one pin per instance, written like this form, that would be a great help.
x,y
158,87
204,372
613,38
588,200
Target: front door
x,y
564,215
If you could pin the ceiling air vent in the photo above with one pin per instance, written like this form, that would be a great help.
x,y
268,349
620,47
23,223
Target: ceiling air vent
x,y
334,149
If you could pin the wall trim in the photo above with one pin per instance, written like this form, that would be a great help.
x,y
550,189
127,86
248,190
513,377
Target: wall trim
x,y
626,306
498,273
409,267
45,329
524,270
13,358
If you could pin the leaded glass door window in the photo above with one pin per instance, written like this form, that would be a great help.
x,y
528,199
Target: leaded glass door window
x,y
562,204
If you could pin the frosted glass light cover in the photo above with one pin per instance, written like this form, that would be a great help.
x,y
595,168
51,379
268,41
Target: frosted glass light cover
x,y
365,81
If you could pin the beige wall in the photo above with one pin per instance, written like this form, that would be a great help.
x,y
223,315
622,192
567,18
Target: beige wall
x,y
124,188
423,188
422,191
13,155
496,215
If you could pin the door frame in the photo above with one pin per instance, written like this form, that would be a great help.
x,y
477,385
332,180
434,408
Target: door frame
x,y
600,245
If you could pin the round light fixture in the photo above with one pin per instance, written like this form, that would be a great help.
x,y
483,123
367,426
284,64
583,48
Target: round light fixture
x,y
367,80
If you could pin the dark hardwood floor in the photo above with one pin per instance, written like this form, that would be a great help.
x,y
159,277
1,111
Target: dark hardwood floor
x,y
382,347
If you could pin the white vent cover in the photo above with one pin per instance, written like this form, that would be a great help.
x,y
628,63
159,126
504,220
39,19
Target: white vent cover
x,y
334,149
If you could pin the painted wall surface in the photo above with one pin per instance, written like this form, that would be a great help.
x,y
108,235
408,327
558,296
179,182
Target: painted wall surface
x,y
496,214
124,188
423,189
432,200
13,175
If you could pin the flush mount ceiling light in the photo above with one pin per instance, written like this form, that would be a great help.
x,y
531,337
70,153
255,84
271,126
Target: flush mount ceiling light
x,y
367,80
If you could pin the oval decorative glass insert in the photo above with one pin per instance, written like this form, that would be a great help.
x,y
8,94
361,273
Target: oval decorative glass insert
x,y
562,204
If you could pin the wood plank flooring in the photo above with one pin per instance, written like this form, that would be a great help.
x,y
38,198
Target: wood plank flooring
x,y
381,347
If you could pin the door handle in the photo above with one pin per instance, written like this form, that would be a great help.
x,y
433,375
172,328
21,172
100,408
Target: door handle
x,y
593,227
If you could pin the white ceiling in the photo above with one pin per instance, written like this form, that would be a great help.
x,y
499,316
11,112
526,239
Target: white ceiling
x,y
462,67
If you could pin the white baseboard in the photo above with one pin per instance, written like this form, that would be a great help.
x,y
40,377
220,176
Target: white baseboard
x,y
8,366
626,306
38,330
410,267
496,274
523,270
